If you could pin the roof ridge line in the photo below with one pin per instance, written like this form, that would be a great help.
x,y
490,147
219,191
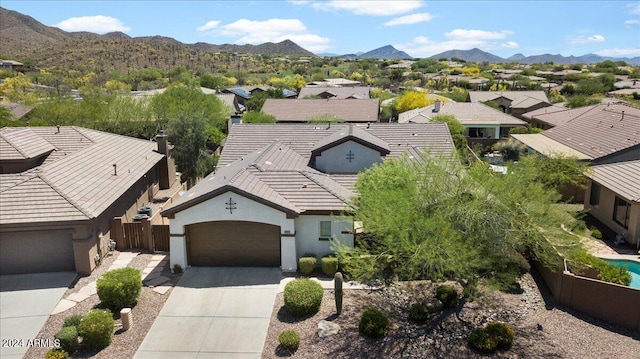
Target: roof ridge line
x,y
14,146
73,203
307,175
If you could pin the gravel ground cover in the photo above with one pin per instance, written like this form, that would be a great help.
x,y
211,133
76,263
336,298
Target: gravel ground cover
x,y
543,329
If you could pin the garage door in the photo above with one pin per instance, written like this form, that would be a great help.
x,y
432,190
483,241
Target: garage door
x,y
234,244
36,252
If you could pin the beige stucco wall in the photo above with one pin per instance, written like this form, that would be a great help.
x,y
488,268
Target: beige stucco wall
x,y
604,212
308,233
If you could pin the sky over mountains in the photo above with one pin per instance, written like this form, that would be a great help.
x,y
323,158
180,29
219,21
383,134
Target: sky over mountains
x,y
419,28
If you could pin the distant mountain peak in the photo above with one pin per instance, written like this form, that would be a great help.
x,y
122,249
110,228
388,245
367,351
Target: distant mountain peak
x,y
387,52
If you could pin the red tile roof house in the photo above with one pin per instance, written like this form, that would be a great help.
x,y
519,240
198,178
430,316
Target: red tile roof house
x,y
60,187
514,103
609,138
305,110
483,124
280,190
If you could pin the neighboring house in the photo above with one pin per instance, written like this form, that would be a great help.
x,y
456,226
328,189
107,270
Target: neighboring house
x,y
514,103
60,188
552,116
607,136
244,93
305,110
355,92
281,191
17,110
10,65
339,82
614,198
483,124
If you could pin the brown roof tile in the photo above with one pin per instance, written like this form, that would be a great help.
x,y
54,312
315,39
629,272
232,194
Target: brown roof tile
x,y
304,110
623,178
22,143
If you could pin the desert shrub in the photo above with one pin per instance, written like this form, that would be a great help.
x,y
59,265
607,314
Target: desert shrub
x,y
72,321
57,353
596,233
302,297
329,264
494,336
482,341
419,313
374,323
120,288
307,263
447,295
96,328
503,333
68,337
289,339
177,269
578,226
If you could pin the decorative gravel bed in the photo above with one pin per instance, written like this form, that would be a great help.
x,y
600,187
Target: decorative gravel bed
x,y
124,344
543,329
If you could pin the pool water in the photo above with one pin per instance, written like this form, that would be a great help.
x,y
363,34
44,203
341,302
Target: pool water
x,y
633,267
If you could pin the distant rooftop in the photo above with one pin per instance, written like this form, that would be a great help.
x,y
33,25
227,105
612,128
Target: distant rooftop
x,y
304,110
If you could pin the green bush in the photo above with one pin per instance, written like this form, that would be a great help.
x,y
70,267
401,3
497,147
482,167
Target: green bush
x,y
177,269
307,263
374,323
289,339
503,333
72,321
482,341
120,288
96,328
596,233
57,353
303,297
447,295
494,336
419,313
68,337
329,265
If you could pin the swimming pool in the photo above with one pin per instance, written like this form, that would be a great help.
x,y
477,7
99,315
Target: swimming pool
x,y
632,266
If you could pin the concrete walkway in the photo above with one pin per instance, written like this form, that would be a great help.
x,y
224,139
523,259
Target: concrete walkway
x,y
214,313
26,301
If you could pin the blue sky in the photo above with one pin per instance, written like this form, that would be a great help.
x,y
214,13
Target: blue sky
x,y
420,28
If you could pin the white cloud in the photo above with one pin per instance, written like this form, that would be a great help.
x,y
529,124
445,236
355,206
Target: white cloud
x,y
367,7
272,30
630,23
459,39
634,9
210,25
410,19
99,24
586,39
476,35
617,52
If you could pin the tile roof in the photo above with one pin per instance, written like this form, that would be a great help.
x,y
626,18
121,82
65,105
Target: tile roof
x,y
600,132
23,143
362,92
304,110
558,115
352,133
465,112
515,96
17,110
270,163
548,147
77,180
623,178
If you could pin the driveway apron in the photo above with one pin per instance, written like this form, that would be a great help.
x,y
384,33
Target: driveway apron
x,y
26,301
214,312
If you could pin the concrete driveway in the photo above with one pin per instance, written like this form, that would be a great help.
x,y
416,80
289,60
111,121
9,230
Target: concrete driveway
x,y
214,313
26,301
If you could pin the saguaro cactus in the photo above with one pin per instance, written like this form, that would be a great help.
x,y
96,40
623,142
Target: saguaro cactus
x,y
337,283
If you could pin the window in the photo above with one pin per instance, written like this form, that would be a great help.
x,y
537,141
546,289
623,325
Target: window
x,y
621,211
325,229
594,196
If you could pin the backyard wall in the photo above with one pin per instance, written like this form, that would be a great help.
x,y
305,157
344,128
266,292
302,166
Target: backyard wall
x,y
611,302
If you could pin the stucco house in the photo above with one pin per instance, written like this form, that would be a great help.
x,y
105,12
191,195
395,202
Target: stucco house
x,y
350,92
514,103
60,187
483,124
282,190
305,110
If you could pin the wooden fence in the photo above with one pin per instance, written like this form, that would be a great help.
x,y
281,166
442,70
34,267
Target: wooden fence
x,y
140,235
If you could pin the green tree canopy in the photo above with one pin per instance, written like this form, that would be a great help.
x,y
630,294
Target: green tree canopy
x,y
189,136
257,99
258,117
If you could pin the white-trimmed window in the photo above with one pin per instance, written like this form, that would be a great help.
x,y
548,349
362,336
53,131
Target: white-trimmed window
x,y
325,229
594,195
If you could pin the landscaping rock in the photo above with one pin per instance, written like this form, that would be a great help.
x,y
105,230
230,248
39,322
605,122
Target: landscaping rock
x,y
326,329
433,305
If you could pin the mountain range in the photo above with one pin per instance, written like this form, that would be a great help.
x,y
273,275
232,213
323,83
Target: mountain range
x,y
24,38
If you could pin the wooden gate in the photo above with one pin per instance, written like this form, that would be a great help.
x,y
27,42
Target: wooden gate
x,y
160,234
133,235
140,235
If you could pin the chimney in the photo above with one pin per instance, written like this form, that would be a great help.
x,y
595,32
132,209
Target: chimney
x,y
161,139
436,107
